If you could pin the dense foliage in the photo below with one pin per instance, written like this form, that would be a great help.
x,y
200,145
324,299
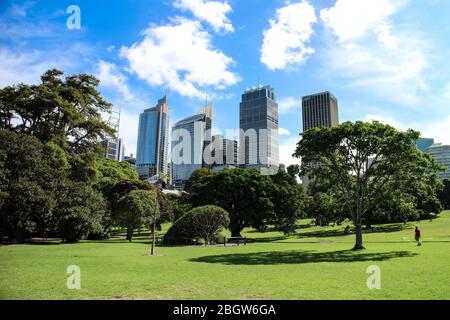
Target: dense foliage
x,y
369,169
444,195
202,222
252,199
137,208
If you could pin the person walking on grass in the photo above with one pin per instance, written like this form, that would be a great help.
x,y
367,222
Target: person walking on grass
x,y
417,236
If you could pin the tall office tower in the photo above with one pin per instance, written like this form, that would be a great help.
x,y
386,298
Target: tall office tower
x,y
115,149
320,110
441,153
190,139
224,153
153,142
258,147
424,143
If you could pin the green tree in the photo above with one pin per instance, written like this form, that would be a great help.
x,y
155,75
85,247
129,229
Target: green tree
x,y
79,210
444,194
357,159
125,186
202,222
28,183
137,208
64,109
243,193
289,200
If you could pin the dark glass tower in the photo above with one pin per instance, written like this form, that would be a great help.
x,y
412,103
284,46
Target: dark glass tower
x,y
153,142
259,128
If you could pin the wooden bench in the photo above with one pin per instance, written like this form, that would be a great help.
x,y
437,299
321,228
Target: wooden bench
x,y
237,240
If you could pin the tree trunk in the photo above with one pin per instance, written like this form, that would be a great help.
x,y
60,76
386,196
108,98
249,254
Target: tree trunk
x,y
152,252
359,240
235,231
129,233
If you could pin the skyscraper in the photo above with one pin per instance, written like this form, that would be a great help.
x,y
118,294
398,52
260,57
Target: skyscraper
x,y
320,110
114,147
259,128
441,153
224,153
190,140
153,142
424,143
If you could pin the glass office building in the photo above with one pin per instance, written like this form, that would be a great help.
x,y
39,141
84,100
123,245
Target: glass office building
x,y
441,153
153,142
424,143
224,153
258,121
190,138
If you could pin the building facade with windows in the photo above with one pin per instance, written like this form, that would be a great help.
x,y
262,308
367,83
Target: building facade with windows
x,y
152,156
320,110
225,153
441,153
258,123
424,143
191,138
115,149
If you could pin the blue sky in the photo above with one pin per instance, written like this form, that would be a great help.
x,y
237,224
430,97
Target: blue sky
x,y
383,59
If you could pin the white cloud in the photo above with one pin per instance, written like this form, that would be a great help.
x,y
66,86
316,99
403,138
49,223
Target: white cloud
x,y
286,149
436,129
283,132
27,66
212,12
128,130
385,120
285,105
111,77
285,42
351,19
180,55
374,54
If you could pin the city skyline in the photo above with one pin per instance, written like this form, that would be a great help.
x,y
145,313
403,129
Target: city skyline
x,y
396,74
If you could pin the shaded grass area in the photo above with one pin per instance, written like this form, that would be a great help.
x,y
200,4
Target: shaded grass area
x,y
316,263
300,257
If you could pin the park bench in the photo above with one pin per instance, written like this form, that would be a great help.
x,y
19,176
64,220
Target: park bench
x,y
237,240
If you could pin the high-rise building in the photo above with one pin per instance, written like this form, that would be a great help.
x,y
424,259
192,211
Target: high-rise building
x,y
190,140
224,153
320,110
441,153
115,149
258,121
424,143
153,142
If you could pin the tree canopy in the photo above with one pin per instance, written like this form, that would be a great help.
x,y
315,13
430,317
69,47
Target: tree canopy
x,y
356,161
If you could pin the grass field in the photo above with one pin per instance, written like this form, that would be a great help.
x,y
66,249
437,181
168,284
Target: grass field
x,y
314,264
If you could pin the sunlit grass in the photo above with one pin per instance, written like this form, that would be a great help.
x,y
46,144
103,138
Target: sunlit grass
x,y
314,264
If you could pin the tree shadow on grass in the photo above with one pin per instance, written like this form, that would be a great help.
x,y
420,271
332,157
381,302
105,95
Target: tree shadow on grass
x,y
387,228
300,257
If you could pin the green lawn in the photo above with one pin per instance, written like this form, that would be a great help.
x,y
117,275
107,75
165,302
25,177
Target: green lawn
x,y
315,264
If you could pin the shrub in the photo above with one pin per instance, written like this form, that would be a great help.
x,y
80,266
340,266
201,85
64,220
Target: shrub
x,y
201,222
